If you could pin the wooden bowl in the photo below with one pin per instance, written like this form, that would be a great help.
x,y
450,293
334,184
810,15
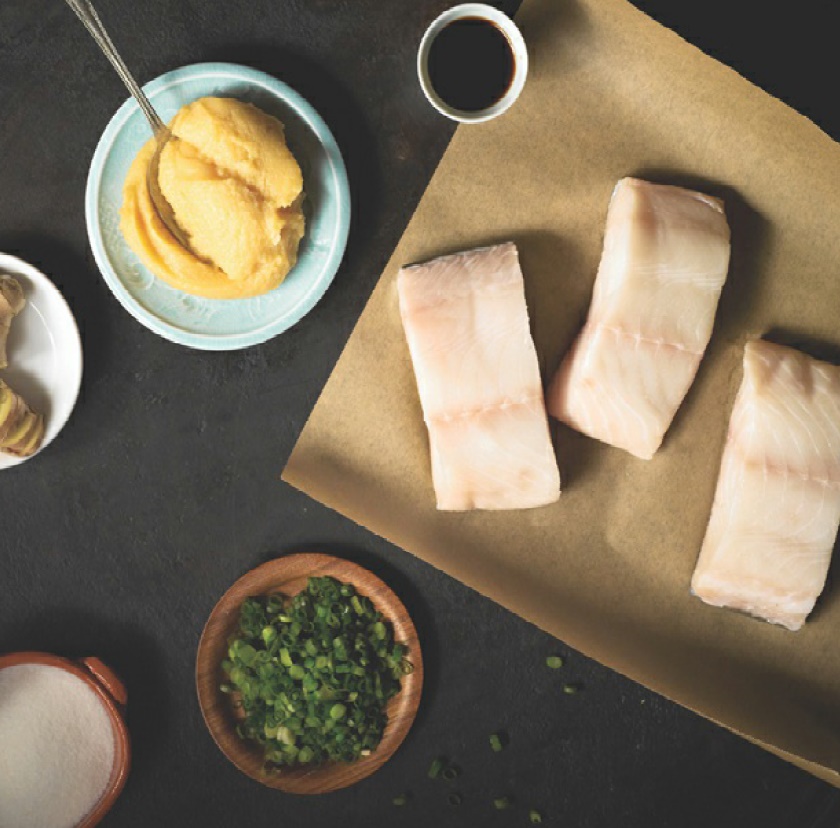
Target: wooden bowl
x,y
289,576
112,693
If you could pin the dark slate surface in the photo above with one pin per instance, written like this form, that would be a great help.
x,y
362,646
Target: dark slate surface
x,y
164,487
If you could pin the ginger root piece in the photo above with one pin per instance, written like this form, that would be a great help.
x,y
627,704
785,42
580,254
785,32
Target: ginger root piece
x,y
12,301
21,429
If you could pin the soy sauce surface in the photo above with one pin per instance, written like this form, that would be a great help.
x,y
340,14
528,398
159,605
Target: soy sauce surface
x,y
471,64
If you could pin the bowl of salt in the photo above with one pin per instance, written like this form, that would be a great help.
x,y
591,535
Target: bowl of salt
x,y
65,748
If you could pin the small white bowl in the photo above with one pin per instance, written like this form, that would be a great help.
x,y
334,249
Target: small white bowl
x,y
45,352
520,58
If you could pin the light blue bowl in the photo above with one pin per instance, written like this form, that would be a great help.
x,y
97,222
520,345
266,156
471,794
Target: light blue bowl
x,y
220,324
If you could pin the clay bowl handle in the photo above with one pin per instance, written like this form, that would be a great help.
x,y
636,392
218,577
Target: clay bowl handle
x,y
106,677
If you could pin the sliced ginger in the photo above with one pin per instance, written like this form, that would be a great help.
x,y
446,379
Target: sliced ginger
x,y
12,301
21,429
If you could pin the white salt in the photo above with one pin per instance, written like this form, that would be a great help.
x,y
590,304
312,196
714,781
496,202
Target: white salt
x,y
56,748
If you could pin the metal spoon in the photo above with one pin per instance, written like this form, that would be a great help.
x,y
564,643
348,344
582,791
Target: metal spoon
x,y
87,14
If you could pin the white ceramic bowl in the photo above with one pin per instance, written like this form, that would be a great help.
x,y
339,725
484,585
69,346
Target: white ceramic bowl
x,y
520,57
45,352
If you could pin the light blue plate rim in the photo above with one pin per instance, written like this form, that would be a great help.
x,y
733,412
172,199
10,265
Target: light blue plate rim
x,y
321,281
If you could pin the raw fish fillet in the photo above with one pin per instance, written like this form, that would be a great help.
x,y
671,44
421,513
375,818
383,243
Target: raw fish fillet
x,y
666,253
777,504
466,324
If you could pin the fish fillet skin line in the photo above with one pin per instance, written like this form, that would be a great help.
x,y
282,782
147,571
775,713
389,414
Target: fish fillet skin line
x,y
776,509
466,324
663,266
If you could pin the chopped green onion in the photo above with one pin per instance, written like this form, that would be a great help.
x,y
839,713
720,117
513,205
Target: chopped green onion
x,y
435,768
311,676
305,755
554,662
535,816
268,635
450,773
246,654
496,742
502,803
400,800
285,736
571,689
454,799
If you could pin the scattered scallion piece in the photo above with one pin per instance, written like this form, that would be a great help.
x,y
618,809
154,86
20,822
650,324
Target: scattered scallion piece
x,y
571,689
435,768
400,800
535,816
496,742
311,675
502,803
554,662
454,799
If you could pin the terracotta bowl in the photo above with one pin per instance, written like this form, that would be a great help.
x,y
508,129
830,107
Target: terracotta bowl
x,y
112,693
289,575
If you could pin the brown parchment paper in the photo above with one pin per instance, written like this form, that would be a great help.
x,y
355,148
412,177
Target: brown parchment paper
x,y
607,569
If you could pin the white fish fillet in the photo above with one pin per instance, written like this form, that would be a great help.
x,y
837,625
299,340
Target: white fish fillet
x,y
777,504
665,258
467,328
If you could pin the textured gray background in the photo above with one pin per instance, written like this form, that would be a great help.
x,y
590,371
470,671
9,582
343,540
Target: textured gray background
x,y
165,488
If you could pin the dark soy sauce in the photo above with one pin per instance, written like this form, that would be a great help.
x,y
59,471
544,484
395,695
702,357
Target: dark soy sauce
x,y
471,64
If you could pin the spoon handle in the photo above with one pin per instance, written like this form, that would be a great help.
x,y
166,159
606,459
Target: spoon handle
x,y
87,14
